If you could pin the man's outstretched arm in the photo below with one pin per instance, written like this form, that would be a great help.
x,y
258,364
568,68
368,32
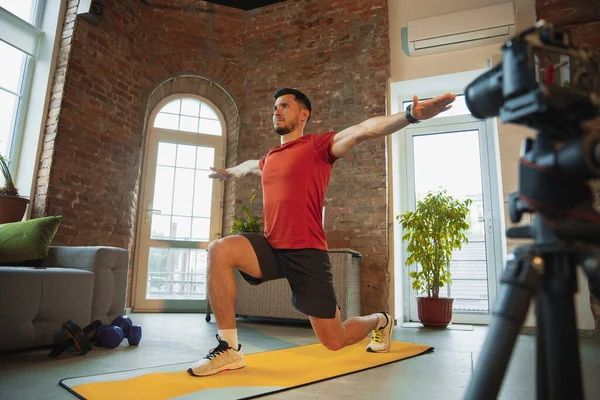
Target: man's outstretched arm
x,y
246,168
345,140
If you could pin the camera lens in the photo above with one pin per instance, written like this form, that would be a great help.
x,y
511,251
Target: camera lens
x,y
484,96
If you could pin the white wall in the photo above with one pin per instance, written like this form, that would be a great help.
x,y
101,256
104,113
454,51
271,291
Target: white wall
x,y
404,67
509,137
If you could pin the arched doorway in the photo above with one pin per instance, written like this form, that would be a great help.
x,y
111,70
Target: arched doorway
x,y
181,208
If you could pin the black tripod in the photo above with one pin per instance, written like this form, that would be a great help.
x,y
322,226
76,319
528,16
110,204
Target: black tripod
x,y
565,238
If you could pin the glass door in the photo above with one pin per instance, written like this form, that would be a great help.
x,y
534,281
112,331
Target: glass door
x,y
453,156
182,207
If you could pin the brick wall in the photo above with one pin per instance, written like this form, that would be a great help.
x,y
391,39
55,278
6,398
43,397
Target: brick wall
x,y
582,18
336,51
90,168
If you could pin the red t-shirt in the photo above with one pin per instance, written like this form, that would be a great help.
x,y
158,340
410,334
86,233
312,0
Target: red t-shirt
x,y
549,71
295,176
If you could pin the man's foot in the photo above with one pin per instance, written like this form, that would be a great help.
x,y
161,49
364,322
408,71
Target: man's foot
x,y
221,358
381,339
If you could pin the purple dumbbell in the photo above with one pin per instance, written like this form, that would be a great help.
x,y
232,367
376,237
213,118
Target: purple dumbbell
x,y
133,333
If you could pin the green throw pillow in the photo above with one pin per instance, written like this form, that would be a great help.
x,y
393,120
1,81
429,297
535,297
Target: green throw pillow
x,y
21,242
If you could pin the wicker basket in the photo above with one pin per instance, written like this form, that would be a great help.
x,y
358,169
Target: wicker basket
x,y
273,299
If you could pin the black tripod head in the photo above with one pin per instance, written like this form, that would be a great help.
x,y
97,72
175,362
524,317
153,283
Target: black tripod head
x,y
544,82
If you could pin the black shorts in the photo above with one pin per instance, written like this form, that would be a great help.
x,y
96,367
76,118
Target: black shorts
x,y
308,272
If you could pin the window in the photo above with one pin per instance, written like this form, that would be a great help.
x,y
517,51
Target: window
x,y
432,154
19,38
24,9
11,74
183,192
189,115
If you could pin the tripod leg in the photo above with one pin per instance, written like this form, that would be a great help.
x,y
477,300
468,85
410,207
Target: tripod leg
x,y
556,301
540,350
520,283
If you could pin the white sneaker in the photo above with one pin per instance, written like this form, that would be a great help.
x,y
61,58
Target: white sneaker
x,y
381,339
221,358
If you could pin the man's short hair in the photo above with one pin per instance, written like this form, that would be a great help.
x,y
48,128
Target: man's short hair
x,y
300,97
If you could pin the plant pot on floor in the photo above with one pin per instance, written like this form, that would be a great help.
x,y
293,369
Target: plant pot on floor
x,y
12,208
435,311
434,230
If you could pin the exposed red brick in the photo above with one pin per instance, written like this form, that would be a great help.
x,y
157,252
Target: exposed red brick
x,y
328,49
110,75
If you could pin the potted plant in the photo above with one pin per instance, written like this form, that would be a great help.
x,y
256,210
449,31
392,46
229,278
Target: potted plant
x,y
436,228
12,206
250,224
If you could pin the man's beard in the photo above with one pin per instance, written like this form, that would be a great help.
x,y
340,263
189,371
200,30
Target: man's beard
x,y
285,129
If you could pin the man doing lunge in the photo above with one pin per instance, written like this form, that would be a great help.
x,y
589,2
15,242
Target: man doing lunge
x,y
294,179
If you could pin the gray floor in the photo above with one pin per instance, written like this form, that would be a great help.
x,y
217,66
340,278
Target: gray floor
x,y
174,338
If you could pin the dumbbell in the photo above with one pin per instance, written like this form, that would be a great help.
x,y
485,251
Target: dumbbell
x,y
111,336
132,332
72,335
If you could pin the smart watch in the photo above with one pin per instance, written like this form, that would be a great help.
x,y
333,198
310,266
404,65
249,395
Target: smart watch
x,y
409,117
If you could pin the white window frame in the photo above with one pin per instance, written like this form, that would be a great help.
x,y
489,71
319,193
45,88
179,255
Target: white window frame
x,y
26,37
426,88
456,124
27,138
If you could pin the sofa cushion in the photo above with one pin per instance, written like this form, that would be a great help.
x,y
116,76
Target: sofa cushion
x,y
38,301
109,265
27,243
67,295
20,296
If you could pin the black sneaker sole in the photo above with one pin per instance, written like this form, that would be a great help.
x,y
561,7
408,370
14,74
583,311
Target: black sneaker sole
x,y
191,372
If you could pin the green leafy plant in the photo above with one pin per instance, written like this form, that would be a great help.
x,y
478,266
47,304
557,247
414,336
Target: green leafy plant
x,y
436,228
250,223
9,188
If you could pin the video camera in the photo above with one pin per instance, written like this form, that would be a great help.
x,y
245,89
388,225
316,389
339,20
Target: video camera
x,y
547,84
542,82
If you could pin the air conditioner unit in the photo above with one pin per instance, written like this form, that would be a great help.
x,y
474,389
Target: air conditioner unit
x,y
460,30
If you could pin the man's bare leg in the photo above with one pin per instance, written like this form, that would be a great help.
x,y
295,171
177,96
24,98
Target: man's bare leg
x,y
335,335
223,256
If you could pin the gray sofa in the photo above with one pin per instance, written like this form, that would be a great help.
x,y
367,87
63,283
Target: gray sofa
x,y
74,283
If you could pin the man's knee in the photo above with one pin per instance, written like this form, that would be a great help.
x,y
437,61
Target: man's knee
x,y
233,252
214,247
334,343
218,250
228,245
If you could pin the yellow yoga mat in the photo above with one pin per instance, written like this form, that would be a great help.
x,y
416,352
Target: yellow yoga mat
x,y
266,372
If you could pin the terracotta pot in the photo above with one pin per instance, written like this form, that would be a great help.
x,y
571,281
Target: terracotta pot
x,y
436,312
12,208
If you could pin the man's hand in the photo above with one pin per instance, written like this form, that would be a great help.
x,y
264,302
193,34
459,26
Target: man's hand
x,y
220,174
432,107
250,167
347,139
